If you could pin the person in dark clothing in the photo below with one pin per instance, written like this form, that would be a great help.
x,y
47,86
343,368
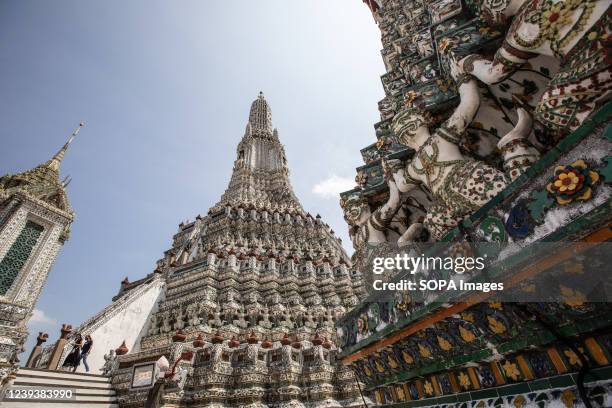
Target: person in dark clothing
x,y
86,350
74,358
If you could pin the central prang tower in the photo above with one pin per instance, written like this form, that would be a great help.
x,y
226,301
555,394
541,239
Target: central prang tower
x,y
260,172
253,289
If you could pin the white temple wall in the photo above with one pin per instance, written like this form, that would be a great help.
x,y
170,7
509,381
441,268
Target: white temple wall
x,y
130,323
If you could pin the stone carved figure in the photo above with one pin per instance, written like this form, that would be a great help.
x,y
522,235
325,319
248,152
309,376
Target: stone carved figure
x,y
154,329
216,320
241,321
577,32
252,298
179,323
370,227
193,314
459,184
287,322
166,326
252,317
110,363
265,321
318,356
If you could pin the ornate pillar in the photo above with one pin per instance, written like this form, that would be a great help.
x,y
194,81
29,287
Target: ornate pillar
x,y
42,337
58,350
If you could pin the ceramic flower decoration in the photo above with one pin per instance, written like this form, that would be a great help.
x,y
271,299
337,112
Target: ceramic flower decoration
x,y
573,183
361,178
410,97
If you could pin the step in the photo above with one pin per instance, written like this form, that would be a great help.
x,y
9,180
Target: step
x,y
61,382
94,392
49,404
89,390
84,399
80,397
62,374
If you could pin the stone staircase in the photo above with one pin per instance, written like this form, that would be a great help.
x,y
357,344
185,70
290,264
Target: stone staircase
x,y
88,390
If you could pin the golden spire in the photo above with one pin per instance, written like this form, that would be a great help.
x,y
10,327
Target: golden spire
x,y
54,163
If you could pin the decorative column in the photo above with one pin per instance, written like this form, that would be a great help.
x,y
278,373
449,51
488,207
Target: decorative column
x,y
58,350
42,337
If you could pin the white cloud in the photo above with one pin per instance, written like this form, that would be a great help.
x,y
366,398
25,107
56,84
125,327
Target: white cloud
x,y
332,186
39,317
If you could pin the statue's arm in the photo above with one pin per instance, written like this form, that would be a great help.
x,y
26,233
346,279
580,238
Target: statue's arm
x,y
508,59
382,217
468,106
411,234
400,176
388,210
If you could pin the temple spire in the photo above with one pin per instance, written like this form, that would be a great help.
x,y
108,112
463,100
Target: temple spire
x,y
260,175
260,117
56,160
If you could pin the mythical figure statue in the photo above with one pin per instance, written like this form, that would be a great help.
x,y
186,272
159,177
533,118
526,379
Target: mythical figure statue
x,y
371,227
460,185
166,326
577,32
193,311
287,322
154,328
216,320
179,323
265,320
110,363
241,321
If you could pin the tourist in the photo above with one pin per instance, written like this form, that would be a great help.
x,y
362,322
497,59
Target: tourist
x,y
86,350
74,358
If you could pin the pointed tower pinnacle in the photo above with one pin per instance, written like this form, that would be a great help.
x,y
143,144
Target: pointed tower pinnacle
x,y
261,174
260,117
43,181
56,160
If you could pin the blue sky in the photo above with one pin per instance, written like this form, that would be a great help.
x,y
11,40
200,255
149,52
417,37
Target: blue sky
x,y
165,88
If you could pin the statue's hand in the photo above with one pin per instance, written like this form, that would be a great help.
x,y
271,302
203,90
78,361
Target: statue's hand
x,y
391,166
456,67
411,234
392,185
466,64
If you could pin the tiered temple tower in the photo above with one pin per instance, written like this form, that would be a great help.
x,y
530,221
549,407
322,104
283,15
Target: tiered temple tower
x,y
489,84
35,218
253,289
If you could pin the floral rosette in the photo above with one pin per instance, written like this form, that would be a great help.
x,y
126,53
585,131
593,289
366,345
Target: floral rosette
x,y
573,182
